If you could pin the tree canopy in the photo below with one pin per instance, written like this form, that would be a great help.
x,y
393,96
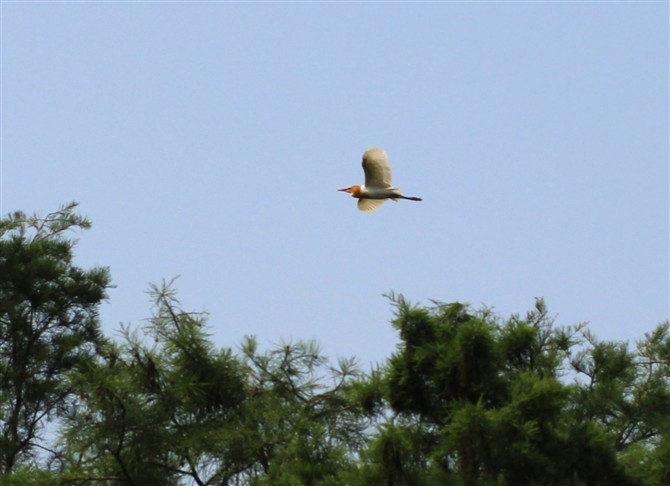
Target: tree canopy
x,y
468,398
48,326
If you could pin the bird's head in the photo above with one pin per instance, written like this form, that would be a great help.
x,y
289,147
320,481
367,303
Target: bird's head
x,y
353,190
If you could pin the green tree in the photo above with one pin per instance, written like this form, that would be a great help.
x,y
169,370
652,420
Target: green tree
x,y
182,411
475,400
627,394
469,398
48,326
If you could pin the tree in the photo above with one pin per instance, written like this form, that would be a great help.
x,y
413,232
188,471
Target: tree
x,y
181,411
48,325
479,401
469,398
627,395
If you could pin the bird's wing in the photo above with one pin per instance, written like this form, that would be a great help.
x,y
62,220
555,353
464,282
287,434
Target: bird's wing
x,y
377,169
369,205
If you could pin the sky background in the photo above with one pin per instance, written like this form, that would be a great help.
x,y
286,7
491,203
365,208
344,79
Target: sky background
x,y
207,140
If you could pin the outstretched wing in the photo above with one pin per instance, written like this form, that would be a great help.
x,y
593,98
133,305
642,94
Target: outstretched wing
x,y
369,205
377,169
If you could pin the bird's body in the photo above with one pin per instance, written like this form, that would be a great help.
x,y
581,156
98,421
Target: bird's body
x,y
377,188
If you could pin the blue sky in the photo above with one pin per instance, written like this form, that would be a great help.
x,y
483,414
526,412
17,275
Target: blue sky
x,y
207,140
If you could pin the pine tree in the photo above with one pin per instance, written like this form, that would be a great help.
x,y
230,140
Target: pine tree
x,y
469,398
182,411
48,326
476,400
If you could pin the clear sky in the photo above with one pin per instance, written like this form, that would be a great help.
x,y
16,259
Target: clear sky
x,y
208,139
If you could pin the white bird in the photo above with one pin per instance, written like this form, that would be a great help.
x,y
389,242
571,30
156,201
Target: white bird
x,y
377,188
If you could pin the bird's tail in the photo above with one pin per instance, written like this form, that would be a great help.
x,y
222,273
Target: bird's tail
x,y
397,195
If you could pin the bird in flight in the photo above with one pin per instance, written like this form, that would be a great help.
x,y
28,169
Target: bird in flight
x,y
377,188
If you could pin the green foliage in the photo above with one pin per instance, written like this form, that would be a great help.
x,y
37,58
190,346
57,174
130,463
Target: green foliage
x,y
29,476
467,399
181,410
489,402
397,455
48,325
